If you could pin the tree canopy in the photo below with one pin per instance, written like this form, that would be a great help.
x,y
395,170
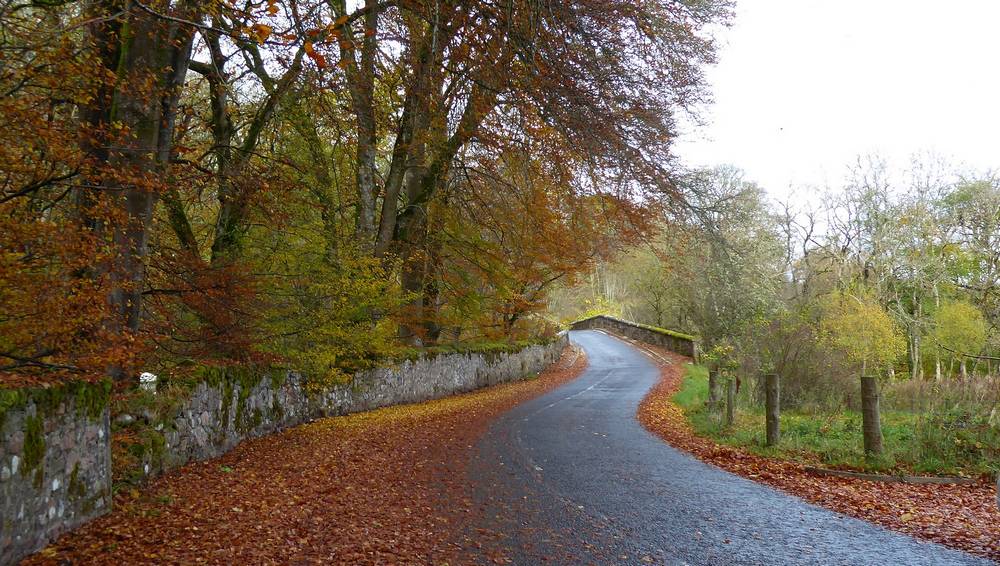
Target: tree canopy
x,y
315,183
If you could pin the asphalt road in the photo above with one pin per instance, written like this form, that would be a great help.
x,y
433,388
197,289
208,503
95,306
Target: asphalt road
x,y
573,478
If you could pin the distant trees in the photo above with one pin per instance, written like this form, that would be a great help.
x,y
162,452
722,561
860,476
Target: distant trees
x,y
912,247
960,330
863,331
894,275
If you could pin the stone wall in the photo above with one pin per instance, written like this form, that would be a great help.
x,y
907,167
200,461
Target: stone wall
x,y
55,463
70,483
228,408
674,341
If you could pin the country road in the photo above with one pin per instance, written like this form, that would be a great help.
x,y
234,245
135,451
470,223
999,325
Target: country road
x,y
573,478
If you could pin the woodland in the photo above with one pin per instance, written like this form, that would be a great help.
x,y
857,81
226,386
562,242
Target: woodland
x,y
194,186
894,275
319,185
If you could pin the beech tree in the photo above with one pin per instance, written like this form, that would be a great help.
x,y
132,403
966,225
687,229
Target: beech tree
x,y
181,178
589,89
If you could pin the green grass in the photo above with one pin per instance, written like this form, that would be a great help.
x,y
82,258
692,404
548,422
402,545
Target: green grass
x,y
918,444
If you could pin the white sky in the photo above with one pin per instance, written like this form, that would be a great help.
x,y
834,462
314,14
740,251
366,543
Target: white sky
x,y
804,86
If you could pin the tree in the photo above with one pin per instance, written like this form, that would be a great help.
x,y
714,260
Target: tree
x,y
181,180
858,327
960,329
466,81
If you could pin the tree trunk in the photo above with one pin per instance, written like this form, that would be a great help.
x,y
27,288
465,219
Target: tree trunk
x,y
916,361
148,59
432,285
232,157
730,401
773,407
871,420
361,84
937,351
411,241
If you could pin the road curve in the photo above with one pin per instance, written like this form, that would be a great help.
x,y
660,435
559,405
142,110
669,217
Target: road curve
x,y
573,478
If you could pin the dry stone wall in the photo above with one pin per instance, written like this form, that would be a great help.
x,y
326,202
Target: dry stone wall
x,y
55,463
229,407
64,481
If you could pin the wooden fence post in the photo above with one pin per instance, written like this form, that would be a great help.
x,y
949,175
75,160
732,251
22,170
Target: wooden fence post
x,y
713,389
871,421
730,401
772,399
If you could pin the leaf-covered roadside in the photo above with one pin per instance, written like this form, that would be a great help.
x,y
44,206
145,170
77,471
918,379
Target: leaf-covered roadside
x,y
959,516
384,487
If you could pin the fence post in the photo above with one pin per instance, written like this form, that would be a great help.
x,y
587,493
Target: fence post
x,y
870,420
730,400
772,399
713,389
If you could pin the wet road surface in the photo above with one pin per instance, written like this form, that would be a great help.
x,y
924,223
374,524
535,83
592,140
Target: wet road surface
x,y
573,478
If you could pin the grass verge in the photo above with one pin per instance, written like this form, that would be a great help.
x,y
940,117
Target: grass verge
x,y
914,444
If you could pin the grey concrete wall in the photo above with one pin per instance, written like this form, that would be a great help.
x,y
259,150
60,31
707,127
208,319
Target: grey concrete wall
x,y
55,464
67,479
673,341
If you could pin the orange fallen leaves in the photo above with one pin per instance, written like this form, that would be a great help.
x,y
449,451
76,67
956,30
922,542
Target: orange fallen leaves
x,y
960,516
386,487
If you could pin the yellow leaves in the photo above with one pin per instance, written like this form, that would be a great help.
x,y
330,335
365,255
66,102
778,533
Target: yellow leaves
x,y
860,328
960,326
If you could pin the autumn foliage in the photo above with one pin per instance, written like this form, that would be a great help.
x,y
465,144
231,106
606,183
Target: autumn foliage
x,y
312,183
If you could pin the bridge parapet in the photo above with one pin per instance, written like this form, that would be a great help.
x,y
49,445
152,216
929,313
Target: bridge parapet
x,y
684,344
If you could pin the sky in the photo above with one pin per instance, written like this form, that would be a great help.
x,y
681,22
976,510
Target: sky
x,y
802,87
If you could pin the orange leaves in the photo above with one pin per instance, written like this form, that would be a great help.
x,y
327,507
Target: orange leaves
x,y
260,32
382,487
54,318
960,516
317,57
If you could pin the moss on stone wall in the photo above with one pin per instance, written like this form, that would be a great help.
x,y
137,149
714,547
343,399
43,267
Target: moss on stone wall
x,y
665,332
489,348
278,378
76,487
89,398
242,381
277,411
11,399
34,443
